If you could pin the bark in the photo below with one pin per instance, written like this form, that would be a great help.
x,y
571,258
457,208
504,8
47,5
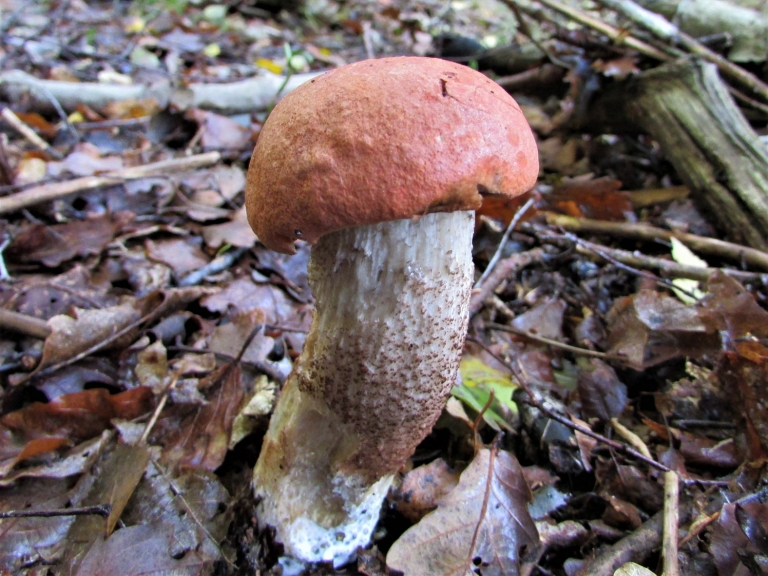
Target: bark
x,y
687,108
746,24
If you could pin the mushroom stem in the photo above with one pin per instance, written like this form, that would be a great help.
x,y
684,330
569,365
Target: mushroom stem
x,y
381,357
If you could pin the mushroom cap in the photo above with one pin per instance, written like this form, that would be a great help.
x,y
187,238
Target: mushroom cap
x,y
381,140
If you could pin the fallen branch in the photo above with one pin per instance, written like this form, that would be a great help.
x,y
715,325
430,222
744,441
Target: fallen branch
x,y
46,192
687,109
618,36
24,324
634,548
503,270
637,263
668,32
702,244
235,97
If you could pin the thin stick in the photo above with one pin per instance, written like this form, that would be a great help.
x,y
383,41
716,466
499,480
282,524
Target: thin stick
x,y
553,343
503,270
534,401
618,36
638,263
668,32
669,546
38,194
702,244
16,122
24,324
497,255
101,510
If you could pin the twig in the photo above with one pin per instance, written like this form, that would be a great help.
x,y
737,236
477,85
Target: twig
x,y
534,401
631,437
668,32
38,194
634,548
479,419
721,248
504,269
637,263
216,265
159,408
618,36
100,510
497,255
23,129
671,500
24,324
553,343
367,41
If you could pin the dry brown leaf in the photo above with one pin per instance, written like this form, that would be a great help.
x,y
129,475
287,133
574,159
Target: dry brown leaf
x,y
52,245
183,255
201,439
218,132
194,504
138,551
236,232
481,525
78,416
71,336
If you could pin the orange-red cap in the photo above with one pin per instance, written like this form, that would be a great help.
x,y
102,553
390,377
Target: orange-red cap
x,y
381,140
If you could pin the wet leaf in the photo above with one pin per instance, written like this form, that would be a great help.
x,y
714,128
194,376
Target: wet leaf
x,y
601,392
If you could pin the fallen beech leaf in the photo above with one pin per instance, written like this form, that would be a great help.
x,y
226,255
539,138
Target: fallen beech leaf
x,y
137,551
77,461
78,416
219,132
114,479
71,336
236,232
53,245
601,392
183,255
194,504
480,526
202,438
545,319
24,541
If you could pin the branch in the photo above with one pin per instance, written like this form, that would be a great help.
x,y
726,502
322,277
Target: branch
x,y
45,192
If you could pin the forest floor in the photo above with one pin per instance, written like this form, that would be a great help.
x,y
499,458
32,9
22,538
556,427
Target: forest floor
x,y
616,348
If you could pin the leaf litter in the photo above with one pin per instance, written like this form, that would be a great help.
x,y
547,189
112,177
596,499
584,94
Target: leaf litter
x,y
124,393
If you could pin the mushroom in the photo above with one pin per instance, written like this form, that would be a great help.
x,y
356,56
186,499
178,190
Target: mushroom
x,y
379,165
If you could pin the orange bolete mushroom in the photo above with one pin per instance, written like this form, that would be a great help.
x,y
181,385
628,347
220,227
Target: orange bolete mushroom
x,y
379,164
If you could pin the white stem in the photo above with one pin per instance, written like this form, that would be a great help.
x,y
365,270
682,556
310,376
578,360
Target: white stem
x,y
381,357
